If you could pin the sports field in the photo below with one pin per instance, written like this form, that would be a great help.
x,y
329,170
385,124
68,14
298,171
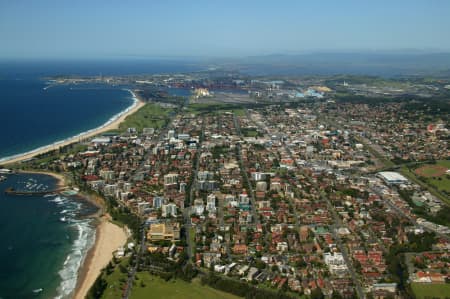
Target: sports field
x,y
431,290
436,174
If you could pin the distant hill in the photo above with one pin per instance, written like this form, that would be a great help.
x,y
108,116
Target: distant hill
x,y
379,64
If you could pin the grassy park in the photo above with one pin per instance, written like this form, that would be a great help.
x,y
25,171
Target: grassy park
x,y
433,176
149,116
147,286
423,291
198,108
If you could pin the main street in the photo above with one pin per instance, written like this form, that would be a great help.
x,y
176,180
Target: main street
x,y
193,187
142,248
255,216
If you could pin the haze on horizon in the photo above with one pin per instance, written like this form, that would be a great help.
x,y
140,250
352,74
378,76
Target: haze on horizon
x,y
111,29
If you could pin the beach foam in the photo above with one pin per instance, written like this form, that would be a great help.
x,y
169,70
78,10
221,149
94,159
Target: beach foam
x,y
84,241
56,144
69,272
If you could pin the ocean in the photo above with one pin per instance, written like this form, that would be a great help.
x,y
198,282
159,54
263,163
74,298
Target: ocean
x,y
32,116
44,239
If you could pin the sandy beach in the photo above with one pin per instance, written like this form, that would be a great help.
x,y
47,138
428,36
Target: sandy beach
x,y
109,126
58,176
109,237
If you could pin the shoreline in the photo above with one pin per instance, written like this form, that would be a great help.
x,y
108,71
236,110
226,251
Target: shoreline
x,y
61,180
108,238
111,124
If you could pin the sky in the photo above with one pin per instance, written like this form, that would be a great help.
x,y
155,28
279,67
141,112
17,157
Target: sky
x,y
213,28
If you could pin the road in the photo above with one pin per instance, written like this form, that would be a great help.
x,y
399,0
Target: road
x,y
133,271
244,173
343,249
186,212
412,220
142,248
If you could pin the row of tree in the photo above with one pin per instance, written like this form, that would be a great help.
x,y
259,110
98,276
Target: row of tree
x,y
241,289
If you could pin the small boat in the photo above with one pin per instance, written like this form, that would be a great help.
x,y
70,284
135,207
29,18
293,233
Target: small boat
x,y
63,219
37,291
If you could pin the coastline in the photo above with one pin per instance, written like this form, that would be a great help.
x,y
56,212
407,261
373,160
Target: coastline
x,y
111,124
108,238
61,180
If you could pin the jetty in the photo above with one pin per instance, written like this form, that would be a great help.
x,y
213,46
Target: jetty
x,y
12,191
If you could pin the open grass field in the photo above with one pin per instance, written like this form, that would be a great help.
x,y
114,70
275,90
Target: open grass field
x,y
197,108
427,176
149,116
431,290
116,282
431,170
436,174
148,286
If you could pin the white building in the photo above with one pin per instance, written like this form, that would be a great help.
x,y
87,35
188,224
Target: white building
x,y
393,178
211,203
158,201
170,179
169,210
198,207
335,262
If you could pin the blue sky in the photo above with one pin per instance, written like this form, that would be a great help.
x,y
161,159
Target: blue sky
x,y
110,28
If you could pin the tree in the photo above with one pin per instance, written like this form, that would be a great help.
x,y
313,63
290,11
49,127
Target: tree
x,y
317,294
97,288
336,295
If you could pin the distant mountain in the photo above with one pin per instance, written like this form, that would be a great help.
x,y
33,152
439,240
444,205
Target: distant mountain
x,y
381,64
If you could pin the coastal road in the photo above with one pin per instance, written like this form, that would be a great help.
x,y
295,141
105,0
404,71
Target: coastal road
x,y
132,273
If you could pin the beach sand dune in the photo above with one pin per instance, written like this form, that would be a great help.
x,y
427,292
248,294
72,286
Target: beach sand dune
x,y
108,239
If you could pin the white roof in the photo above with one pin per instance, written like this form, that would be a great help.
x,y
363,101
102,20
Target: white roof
x,y
101,140
391,176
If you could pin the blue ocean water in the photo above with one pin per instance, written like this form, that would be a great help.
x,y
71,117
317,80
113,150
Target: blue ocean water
x,y
32,116
44,239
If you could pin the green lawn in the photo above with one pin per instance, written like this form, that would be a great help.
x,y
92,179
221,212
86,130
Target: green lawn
x,y
249,132
431,290
445,163
149,116
197,108
116,283
442,182
436,185
148,286
239,112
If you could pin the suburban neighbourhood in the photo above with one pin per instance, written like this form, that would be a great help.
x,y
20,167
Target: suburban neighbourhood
x,y
274,186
